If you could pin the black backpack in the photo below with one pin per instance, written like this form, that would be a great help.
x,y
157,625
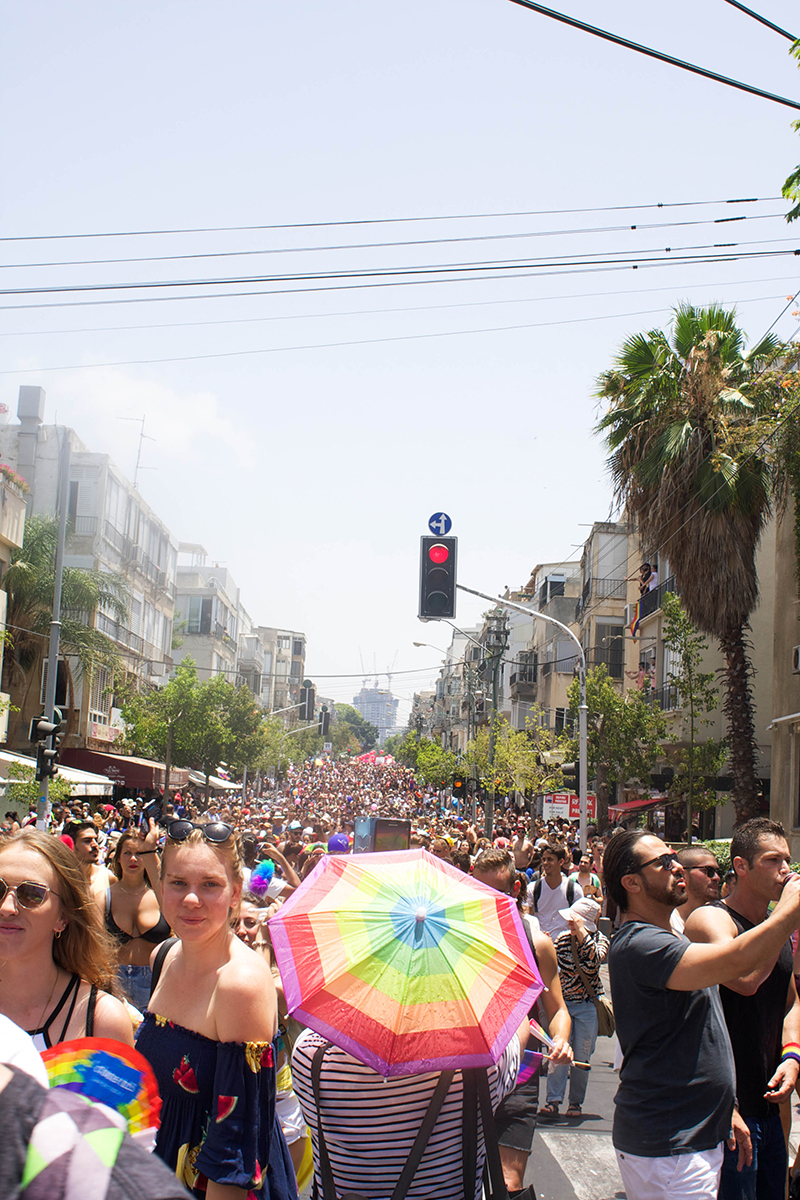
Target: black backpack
x,y
537,891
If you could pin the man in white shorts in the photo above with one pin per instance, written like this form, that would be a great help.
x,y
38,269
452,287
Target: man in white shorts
x,y
677,1082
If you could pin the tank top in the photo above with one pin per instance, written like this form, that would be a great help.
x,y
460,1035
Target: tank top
x,y
755,1027
41,1037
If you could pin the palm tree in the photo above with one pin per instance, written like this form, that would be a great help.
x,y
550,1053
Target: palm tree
x,y
684,427
30,583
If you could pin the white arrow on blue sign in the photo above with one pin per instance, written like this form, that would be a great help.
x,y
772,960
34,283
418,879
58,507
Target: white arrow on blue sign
x,y
440,524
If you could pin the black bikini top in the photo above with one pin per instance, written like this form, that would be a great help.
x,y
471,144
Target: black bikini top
x,y
159,932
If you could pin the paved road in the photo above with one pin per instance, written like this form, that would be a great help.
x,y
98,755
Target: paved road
x,y
574,1160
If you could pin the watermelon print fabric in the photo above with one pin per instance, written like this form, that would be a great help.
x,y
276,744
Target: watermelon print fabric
x,y
218,1111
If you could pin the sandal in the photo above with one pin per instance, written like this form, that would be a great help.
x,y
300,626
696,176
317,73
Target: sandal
x,y
574,1110
548,1110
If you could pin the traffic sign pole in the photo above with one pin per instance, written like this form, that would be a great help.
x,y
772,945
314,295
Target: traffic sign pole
x,y
43,807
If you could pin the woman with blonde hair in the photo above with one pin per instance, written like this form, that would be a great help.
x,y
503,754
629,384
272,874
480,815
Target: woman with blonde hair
x,y
133,915
56,960
209,1029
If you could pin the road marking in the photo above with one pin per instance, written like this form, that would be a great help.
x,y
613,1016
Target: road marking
x,y
588,1161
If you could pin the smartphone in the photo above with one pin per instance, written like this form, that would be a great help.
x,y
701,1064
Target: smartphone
x,y
151,811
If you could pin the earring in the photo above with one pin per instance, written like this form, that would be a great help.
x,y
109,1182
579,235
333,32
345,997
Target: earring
x,y
58,933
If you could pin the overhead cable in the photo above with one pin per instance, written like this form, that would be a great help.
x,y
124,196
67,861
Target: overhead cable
x,y
763,20
544,212
667,58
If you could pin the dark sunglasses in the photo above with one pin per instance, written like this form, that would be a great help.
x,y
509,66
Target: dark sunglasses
x,y
667,861
29,895
216,832
709,871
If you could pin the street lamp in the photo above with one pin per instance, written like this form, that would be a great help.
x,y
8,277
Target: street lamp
x,y
583,709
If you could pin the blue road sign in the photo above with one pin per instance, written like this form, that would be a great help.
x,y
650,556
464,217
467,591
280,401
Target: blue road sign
x,y
440,524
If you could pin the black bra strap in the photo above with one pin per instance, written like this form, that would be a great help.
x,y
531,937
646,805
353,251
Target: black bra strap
x,y
71,1010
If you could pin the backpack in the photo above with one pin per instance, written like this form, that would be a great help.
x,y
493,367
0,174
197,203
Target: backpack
x,y
537,891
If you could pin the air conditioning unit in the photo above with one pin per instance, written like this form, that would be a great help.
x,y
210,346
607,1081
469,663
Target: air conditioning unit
x,y
796,660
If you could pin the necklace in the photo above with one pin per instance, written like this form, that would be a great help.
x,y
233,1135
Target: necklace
x,y
47,1001
132,892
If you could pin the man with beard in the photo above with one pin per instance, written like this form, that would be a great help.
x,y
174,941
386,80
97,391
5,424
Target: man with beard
x,y
675,1101
703,878
761,1009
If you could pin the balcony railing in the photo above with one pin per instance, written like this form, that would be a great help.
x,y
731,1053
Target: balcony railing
x,y
651,601
665,697
85,525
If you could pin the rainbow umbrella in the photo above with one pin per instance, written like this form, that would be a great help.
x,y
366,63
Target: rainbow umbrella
x,y
405,962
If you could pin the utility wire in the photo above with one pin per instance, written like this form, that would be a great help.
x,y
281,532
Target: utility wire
x,y
540,272
545,212
485,237
763,20
510,264
368,312
410,337
667,58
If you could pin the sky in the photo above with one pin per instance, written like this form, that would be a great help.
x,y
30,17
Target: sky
x,y
304,434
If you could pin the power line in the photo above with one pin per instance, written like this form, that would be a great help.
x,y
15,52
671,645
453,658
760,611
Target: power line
x,y
509,264
484,237
544,212
763,20
667,58
362,312
574,268
410,337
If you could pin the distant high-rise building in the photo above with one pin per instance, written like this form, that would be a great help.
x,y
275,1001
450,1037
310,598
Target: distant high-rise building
x,y
379,707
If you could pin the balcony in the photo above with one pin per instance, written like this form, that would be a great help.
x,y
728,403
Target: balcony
x,y
84,526
522,684
651,601
12,515
665,697
600,589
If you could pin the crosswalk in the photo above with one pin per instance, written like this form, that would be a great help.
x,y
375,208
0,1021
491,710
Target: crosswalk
x,y
588,1162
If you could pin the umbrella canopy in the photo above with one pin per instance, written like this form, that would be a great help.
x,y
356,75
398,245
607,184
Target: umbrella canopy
x,y
405,962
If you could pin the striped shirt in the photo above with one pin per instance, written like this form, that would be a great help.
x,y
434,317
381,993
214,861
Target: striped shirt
x,y
370,1123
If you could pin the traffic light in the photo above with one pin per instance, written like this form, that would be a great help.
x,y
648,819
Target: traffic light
x,y
458,787
324,721
307,702
46,735
570,773
437,578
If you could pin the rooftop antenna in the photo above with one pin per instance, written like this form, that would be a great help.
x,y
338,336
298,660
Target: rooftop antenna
x,y
142,436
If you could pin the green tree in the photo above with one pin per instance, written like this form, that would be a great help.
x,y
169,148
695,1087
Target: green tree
x,y
518,756
624,735
695,758
433,764
30,585
365,732
684,429
23,790
791,187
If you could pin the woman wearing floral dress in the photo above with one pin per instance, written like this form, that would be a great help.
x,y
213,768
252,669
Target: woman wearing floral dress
x,y
210,1027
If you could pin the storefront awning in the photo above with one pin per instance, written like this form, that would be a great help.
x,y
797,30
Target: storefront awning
x,y
125,770
631,806
217,784
82,783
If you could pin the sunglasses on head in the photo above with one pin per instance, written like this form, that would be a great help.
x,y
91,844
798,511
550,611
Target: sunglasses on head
x,y
709,871
29,895
215,832
667,861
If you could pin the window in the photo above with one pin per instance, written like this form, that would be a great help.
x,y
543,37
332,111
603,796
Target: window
x,y
100,696
284,643
610,647
61,684
561,720
298,649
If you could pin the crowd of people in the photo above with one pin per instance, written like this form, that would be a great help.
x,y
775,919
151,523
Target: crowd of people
x,y
149,925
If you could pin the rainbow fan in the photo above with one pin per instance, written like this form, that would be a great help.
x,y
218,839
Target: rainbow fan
x,y
107,1072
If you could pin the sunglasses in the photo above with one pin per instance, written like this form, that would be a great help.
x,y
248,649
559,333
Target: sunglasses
x,y
709,871
215,832
667,861
29,895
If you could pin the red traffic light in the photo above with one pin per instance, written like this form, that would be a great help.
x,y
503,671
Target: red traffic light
x,y
438,553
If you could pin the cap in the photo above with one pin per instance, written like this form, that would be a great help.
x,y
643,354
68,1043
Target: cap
x,y
338,843
584,907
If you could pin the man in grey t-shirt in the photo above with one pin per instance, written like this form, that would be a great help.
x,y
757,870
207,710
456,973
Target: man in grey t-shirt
x,y
674,1106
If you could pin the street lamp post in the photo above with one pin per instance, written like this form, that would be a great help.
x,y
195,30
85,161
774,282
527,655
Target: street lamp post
x,y
583,710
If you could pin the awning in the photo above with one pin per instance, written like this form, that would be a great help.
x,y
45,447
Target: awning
x,y
638,805
82,783
124,770
217,784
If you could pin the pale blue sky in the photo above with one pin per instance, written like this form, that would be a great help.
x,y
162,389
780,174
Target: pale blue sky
x,y
311,472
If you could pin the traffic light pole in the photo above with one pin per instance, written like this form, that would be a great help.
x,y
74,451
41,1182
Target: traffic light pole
x,y
583,710
43,807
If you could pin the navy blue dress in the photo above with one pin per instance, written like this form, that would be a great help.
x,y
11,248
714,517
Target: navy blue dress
x,y
218,1111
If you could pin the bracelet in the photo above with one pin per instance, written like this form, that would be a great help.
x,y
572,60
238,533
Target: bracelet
x,y
790,1046
787,1054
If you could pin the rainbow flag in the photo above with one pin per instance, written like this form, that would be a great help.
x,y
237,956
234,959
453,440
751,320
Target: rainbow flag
x,y
636,621
107,1072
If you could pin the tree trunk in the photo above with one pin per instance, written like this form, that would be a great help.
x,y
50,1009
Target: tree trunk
x,y
602,791
741,731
